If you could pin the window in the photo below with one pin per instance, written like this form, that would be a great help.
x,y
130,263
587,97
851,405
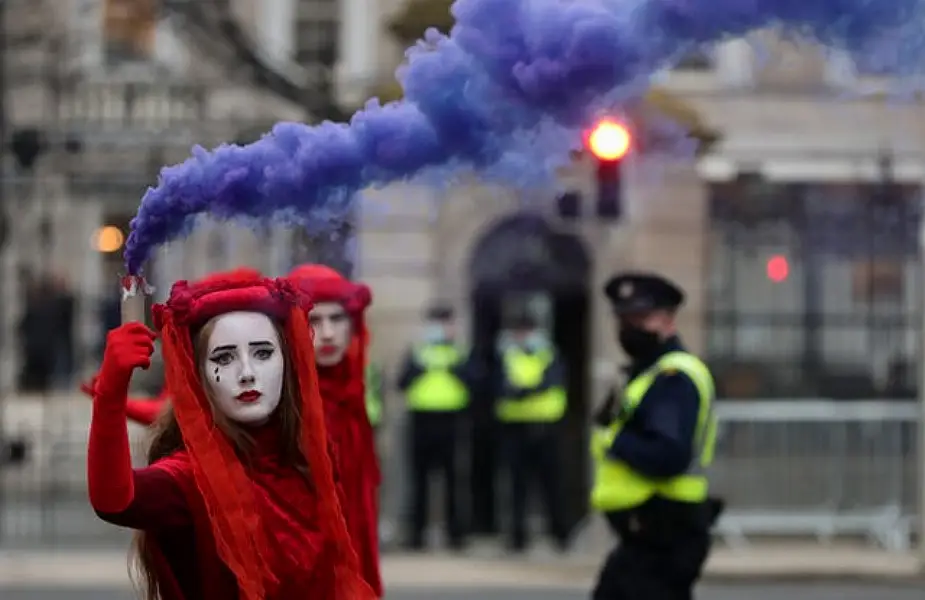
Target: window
x,y
316,42
129,30
814,290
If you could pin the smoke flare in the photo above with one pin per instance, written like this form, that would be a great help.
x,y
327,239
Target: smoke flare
x,y
506,95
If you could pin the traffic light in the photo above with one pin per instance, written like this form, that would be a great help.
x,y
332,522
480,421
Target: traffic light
x,y
778,268
609,141
568,205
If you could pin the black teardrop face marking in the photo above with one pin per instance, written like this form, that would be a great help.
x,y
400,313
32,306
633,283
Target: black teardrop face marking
x,y
215,372
217,378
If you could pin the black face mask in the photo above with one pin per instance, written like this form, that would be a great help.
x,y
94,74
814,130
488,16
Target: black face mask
x,y
639,343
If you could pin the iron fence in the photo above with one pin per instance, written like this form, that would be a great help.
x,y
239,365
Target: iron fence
x,y
814,289
43,498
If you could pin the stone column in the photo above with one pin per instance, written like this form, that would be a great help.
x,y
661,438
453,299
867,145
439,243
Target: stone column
x,y
396,259
668,233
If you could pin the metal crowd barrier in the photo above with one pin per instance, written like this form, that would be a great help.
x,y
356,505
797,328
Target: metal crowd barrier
x,y
43,500
818,468
804,468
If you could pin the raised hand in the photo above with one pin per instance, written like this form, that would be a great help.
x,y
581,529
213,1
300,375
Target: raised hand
x,y
128,347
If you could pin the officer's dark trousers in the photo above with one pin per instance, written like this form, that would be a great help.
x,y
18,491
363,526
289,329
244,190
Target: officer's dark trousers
x,y
653,564
532,453
433,438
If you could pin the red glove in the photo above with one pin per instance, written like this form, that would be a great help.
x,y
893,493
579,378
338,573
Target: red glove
x,y
128,347
87,387
109,462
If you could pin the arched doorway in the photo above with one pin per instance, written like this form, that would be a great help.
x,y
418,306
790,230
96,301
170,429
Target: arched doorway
x,y
521,263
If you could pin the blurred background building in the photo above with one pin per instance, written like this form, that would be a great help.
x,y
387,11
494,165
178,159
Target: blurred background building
x,y
795,229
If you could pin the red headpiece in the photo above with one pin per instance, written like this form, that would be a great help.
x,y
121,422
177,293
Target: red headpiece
x,y
221,478
324,284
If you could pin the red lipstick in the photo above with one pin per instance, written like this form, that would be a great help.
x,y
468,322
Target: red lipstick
x,y
251,396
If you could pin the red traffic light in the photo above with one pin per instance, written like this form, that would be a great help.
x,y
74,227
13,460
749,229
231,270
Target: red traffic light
x,y
609,140
778,268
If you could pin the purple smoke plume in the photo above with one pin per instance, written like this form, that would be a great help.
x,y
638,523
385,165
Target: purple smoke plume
x,y
506,94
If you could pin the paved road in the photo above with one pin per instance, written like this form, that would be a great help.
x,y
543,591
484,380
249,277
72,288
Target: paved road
x,y
725,592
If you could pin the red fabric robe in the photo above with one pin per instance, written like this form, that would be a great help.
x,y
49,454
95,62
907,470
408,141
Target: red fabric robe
x,y
355,461
168,507
146,410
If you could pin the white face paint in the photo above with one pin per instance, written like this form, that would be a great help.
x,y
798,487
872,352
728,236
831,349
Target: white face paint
x,y
333,329
244,367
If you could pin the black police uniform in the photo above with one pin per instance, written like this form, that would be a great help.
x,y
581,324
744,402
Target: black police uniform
x,y
663,543
434,440
531,451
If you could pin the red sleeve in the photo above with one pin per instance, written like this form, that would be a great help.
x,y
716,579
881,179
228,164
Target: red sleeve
x,y
159,501
109,460
144,411
148,498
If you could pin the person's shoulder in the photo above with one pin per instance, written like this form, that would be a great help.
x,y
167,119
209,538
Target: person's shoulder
x,y
671,378
177,465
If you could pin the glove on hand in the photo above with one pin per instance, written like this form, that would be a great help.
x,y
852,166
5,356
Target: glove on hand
x,y
110,480
128,347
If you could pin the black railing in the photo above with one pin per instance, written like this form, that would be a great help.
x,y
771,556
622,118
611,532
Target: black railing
x,y
815,290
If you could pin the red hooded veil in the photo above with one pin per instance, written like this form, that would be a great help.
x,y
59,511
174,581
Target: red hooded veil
x,y
220,477
343,396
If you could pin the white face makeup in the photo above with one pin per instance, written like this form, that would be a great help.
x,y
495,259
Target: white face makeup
x,y
333,329
244,367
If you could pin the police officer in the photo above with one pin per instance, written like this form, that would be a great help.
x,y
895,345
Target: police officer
x,y
651,447
375,412
434,381
531,404
375,393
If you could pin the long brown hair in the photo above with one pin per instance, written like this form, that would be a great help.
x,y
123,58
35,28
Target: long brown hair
x,y
167,439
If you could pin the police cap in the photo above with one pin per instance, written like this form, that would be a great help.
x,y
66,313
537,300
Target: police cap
x,y
639,292
440,312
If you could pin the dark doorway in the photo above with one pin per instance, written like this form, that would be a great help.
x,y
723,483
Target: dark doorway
x,y
518,261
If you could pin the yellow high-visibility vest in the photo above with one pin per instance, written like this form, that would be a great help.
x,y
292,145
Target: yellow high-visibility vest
x,y
616,485
437,389
525,370
374,403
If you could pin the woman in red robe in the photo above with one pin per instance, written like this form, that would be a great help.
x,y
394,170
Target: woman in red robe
x,y
340,341
238,501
